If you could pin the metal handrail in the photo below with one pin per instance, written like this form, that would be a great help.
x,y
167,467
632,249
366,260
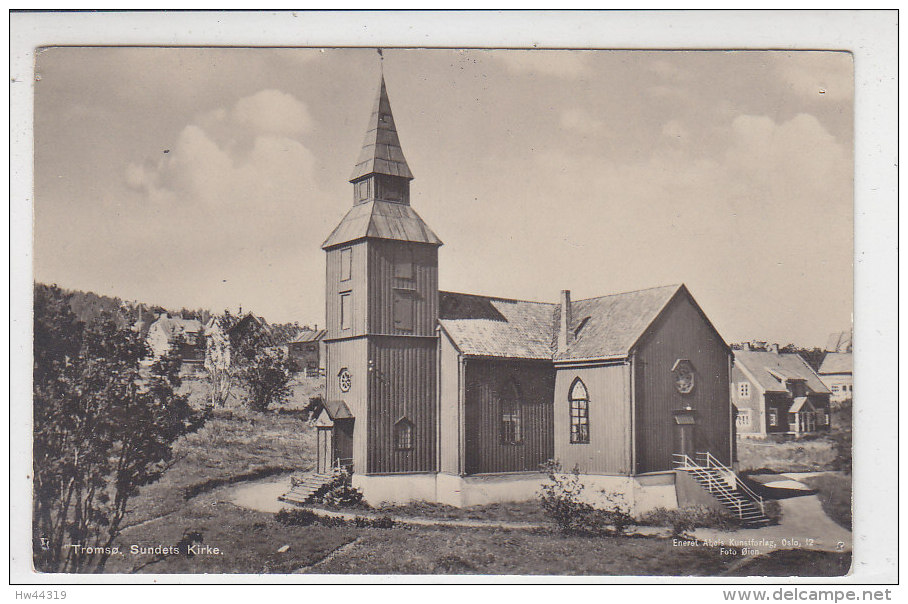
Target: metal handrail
x,y
712,462
713,485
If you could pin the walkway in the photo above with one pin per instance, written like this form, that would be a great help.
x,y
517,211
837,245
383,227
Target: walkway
x,y
804,523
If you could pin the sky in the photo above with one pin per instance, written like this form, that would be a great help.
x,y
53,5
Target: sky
x,y
208,178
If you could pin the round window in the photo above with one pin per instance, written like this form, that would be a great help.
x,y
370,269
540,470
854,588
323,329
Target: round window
x,y
344,380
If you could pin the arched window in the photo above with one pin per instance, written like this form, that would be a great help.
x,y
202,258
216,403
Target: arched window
x,y
580,412
509,402
403,434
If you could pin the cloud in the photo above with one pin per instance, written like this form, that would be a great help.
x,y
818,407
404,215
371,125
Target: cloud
x,y
581,121
567,64
272,112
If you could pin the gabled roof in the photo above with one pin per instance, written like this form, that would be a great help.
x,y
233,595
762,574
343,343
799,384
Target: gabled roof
x,y
799,403
609,326
497,327
309,335
836,362
381,220
605,327
760,366
173,326
839,342
338,410
381,153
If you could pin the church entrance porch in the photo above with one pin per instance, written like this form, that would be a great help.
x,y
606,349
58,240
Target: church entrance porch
x,y
334,437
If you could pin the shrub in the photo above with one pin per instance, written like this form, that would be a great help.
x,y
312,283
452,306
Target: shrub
x,y
560,500
296,517
381,522
339,492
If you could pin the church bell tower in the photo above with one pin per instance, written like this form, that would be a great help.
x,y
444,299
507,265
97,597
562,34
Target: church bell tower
x,y
382,309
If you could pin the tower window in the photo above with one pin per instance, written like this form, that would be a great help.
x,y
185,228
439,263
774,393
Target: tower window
x,y
403,434
403,263
346,264
362,190
403,310
346,310
580,413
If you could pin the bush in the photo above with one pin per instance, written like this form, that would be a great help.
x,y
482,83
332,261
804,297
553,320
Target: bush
x,y
561,501
296,517
339,492
382,522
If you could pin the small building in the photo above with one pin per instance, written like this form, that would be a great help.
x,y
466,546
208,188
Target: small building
x,y
307,350
168,331
777,394
835,371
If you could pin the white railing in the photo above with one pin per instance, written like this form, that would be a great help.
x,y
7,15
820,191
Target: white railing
x,y
713,463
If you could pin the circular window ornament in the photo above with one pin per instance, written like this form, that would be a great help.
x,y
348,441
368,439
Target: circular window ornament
x,y
683,373
344,380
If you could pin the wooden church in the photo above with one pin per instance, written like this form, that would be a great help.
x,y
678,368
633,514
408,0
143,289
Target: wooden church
x,y
459,398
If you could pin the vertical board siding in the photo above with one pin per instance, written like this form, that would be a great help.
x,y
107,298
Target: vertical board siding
x,y
609,449
351,354
485,383
402,384
681,333
384,285
357,285
449,407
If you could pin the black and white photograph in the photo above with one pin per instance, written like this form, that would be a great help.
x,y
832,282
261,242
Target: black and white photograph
x,y
456,311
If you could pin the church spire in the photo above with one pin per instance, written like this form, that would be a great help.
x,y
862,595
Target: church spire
x,y
381,153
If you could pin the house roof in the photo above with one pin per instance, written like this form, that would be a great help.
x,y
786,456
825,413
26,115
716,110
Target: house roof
x,y
381,152
309,335
174,326
799,403
604,327
497,327
835,362
760,366
839,342
381,220
609,326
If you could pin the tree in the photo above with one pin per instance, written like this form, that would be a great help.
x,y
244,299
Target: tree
x,y
266,376
218,368
101,430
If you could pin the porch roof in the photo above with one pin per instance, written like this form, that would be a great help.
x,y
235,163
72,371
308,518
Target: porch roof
x,y
338,410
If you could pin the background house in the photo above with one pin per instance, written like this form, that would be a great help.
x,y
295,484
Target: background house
x,y
307,349
777,393
835,371
166,331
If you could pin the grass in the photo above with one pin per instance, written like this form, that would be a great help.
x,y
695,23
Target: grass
x,y
526,511
785,455
834,492
233,445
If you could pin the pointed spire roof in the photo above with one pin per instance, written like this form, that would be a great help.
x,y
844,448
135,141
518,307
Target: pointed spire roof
x,y
381,152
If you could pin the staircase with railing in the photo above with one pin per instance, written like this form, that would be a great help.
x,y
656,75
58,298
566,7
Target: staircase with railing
x,y
303,487
723,484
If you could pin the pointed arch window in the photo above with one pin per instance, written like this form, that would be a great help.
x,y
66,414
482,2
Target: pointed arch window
x,y
580,412
510,415
403,434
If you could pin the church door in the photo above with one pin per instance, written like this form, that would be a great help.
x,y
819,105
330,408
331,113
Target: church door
x,y
343,443
685,432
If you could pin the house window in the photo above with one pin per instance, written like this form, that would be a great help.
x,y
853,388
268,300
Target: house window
x,y
346,310
346,264
403,311
403,435
773,416
580,413
744,390
743,418
510,416
403,263
835,388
